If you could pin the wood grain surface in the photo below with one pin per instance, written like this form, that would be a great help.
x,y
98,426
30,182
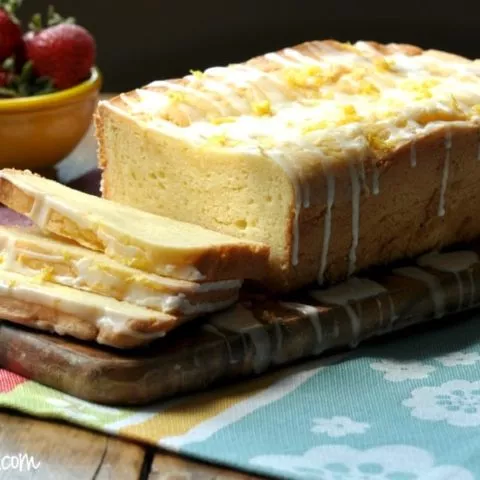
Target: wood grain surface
x,y
64,452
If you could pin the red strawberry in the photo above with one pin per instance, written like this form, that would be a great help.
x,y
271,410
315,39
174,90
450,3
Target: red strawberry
x,y
10,32
65,53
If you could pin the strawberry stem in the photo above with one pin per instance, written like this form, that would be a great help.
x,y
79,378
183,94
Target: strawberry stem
x,y
11,6
36,24
54,18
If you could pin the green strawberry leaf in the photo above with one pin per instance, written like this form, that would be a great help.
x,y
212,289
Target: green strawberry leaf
x,y
54,18
7,92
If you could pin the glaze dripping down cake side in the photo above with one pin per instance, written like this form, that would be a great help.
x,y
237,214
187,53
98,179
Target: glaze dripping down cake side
x,y
338,156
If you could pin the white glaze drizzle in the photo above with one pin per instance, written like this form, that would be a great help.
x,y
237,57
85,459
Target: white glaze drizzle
x,y
229,94
327,226
393,314
460,290
431,281
354,289
278,354
280,60
445,172
303,59
282,160
451,262
380,310
242,321
216,331
311,313
472,288
306,195
193,92
413,154
352,255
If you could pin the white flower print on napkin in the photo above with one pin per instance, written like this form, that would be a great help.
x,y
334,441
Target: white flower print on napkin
x,y
457,402
338,426
459,359
342,462
398,371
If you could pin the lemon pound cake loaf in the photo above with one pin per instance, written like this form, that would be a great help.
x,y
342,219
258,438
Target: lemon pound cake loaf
x,y
337,156
139,239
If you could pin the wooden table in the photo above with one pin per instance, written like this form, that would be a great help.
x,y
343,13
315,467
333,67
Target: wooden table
x,y
66,452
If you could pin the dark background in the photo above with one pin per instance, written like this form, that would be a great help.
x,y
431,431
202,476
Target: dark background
x,y
144,40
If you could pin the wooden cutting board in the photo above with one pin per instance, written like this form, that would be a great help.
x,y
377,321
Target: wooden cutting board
x,y
255,336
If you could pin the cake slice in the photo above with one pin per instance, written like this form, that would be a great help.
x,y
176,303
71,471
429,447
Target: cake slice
x,y
29,252
138,239
337,156
87,316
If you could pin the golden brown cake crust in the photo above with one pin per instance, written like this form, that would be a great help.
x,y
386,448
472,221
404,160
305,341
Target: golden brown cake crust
x,y
401,220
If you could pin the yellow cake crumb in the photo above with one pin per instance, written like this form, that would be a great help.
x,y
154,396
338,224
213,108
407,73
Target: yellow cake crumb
x,y
368,88
422,89
222,140
44,275
22,259
384,64
197,73
262,108
305,77
176,97
222,120
349,115
377,138
314,126
67,256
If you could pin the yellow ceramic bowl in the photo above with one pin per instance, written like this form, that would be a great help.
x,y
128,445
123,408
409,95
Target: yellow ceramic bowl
x,y
37,132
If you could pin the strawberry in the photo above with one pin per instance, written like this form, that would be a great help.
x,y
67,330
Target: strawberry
x,y
10,32
63,52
